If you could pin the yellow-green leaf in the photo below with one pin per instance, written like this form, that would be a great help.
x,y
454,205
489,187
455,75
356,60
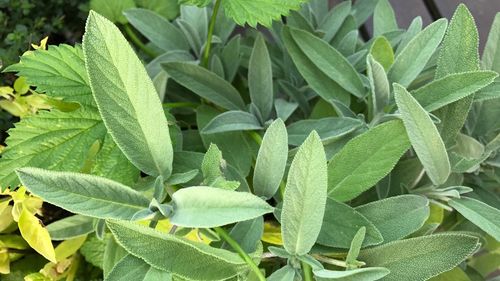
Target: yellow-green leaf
x,y
36,235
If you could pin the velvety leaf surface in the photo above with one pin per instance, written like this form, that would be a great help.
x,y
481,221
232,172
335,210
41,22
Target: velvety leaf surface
x,y
132,268
484,216
260,78
233,120
70,227
328,129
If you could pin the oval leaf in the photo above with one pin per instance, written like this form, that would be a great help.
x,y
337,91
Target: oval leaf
x,y
305,197
424,136
36,235
271,160
484,216
204,206
260,78
84,194
347,171
232,121
132,268
126,98
71,227
328,129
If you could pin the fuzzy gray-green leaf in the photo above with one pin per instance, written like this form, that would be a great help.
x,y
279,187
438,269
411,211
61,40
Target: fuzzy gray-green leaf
x,y
234,120
484,216
260,78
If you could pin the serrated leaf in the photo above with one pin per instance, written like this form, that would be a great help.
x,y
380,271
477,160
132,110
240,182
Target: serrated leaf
x,y
36,235
132,268
413,58
234,120
59,72
305,197
451,88
206,84
329,129
360,274
157,29
260,78
205,207
259,11
397,217
459,53
70,227
176,255
484,216
341,223
384,19
424,136
329,61
271,160
432,255
126,98
319,81
347,170
83,194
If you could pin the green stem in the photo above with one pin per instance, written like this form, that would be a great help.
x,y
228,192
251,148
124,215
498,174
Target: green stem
x,y
330,261
154,221
308,275
224,235
256,137
211,27
131,34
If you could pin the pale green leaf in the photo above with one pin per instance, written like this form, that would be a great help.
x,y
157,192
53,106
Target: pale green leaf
x,y
413,58
176,255
234,120
451,88
71,227
126,98
113,253
360,274
329,61
247,234
421,258
491,54
484,216
334,19
455,274
329,129
381,51
459,53
286,273
414,28
341,223
132,268
305,197
384,19
380,89
357,242
260,78
397,217
198,3
203,206
271,160
83,194
157,29
347,170
424,136
259,11
206,84
36,235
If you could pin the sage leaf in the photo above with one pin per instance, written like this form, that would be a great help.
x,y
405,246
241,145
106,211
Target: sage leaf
x,y
157,29
325,86
329,61
459,53
484,216
113,253
305,197
341,223
431,254
414,28
205,84
70,227
204,207
379,85
84,194
176,255
413,58
334,19
356,244
397,217
126,98
424,136
271,160
132,268
381,51
247,234
491,54
329,129
347,170
384,19
286,273
360,274
260,78
451,88
233,120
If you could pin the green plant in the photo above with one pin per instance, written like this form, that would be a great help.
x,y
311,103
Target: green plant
x,y
311,156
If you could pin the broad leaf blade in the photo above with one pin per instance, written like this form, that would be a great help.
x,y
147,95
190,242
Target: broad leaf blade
x,y
424,136
259,11
329,129
271,160
432,255
484,216
132,268
233,120
305,197
70,227
260,78
84,194
126,97
347,176
203,206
